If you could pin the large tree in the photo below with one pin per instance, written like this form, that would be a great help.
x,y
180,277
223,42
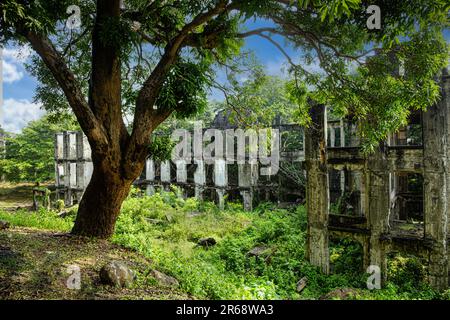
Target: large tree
x,y
154,58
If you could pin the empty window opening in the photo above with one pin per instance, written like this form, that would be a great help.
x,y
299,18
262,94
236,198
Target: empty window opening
x,y
411,134
407,197
346,192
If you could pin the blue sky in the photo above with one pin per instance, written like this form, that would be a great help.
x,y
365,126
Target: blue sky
x,y
19,86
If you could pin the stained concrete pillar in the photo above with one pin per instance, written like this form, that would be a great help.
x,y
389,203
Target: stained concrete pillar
x,y
342,135
199,179
165,174
181,171
445,87
378,206
436,179
247,179
317,189
342,144
150,177
220,181
332,136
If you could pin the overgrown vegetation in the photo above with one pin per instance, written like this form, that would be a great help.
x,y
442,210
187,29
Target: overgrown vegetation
x,y
166,228
29,156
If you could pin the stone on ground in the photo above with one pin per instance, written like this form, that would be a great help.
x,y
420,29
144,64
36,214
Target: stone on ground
x,y
4,225
207,242
340,294
164,279
301,284
117,274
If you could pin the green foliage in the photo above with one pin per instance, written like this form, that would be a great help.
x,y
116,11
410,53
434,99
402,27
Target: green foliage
x,y
266,94
166,228
408,273
358,72
30,155
161,147
333,63
42,219
184,89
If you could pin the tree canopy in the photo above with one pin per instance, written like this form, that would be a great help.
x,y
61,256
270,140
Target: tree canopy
x,y
29,156
153,59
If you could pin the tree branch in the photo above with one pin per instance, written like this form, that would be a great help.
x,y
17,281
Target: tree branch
x,y
65,78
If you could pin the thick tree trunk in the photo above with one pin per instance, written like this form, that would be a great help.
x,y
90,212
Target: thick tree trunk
x,y
101,203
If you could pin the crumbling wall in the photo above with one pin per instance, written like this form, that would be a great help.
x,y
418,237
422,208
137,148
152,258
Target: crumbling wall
x,y
247,180
378,228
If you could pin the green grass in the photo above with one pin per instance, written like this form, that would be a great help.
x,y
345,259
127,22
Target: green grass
x,y
165,228
41,219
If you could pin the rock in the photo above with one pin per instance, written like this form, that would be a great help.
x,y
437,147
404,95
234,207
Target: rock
x,y
301,284
163,279
117,274
63,214
4,225
155,221
194,214
206,242
340,294
259,251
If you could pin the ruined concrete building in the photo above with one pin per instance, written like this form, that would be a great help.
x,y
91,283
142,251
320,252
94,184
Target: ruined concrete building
x,y
216,180
395,200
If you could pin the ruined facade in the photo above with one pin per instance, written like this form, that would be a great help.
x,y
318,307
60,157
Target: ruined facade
x,y
221,179
395,200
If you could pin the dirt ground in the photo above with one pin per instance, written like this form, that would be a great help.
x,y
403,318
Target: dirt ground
x,y
35,264
13,196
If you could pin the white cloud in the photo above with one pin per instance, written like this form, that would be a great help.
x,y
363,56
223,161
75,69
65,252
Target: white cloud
x,y
11,73
18,113
20,54
13,60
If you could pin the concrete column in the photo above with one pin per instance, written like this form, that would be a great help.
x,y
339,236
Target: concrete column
x,y
342,128
150,177
220,181
59,146
181,171
363,194
165,174
199,179
221,198
71,145
317,189
247,199
445,87
332,136
435,140
378,206
247,179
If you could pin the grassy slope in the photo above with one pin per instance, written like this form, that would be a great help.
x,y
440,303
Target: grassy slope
x,y
33,265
